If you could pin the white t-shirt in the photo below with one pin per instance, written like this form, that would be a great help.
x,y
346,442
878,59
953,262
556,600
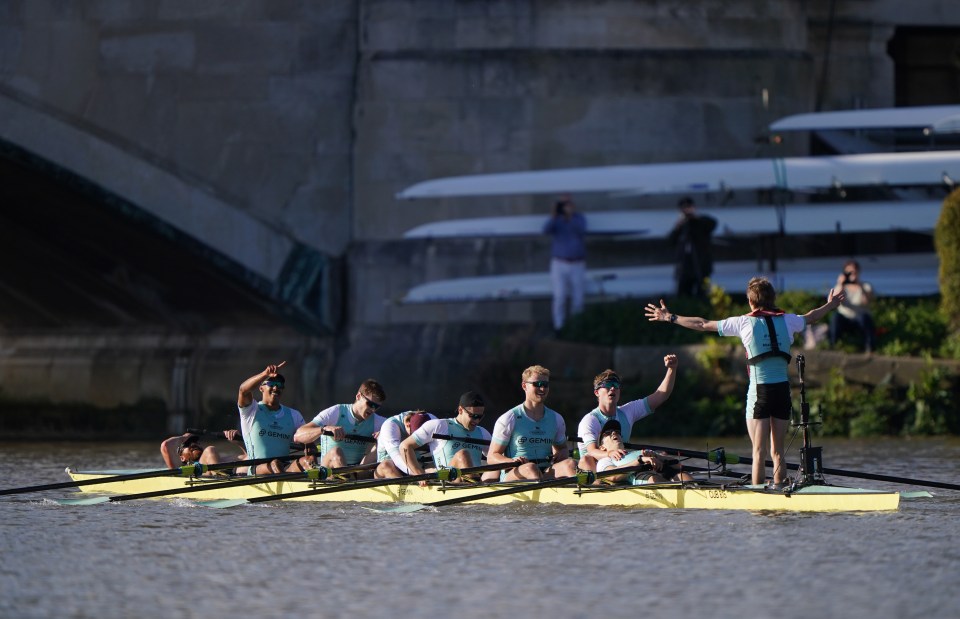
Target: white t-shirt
x,y
591,424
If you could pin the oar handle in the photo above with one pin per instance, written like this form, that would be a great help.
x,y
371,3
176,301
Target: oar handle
x,y
714,455
353,437
462,439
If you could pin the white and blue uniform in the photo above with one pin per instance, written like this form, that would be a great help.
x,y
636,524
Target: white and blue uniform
x,y
767,371
530,438
628,414
443,450
392,433
268,433
342,415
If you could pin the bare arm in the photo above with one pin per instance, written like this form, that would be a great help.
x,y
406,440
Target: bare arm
x,y
658,397
408,451
833,301
168,449
245,396
695,323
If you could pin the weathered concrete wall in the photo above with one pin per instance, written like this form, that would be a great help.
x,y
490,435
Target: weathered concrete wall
x,y
252,100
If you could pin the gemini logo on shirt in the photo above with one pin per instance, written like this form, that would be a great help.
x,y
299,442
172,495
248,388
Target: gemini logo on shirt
x,y
273,434
534,440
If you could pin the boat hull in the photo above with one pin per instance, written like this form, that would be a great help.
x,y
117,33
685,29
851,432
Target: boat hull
x,y
707,496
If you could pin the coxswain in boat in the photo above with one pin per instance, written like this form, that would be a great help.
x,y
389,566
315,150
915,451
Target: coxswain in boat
x,y
532,435
358,419
453,452
396,429
766,333
607,388
268,426
186,449
611,441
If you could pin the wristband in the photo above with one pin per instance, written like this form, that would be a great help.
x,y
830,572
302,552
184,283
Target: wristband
x,y
673,318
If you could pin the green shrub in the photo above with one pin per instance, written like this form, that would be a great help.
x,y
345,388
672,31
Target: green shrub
x,y
946,238
934,403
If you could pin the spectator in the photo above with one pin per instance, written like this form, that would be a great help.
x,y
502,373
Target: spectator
x,y
568,259
853,315
691,238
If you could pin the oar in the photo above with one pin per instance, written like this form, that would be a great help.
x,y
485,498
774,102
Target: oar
x,y
583,478
734,459
187,470
442,474
462,439
310,474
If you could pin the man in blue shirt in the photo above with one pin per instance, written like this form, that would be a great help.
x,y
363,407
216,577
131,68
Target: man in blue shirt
x,y
568,259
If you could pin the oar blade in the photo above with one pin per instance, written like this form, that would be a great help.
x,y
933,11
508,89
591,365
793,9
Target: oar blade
x,y
915,494
222,503
93,500
406,508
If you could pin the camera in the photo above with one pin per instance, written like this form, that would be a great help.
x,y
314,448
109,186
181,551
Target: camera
x,y
846,276
558,207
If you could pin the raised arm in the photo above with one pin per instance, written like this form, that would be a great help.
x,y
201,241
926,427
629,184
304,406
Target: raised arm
x,y
245,396
168,450
834,299
662,314
658,397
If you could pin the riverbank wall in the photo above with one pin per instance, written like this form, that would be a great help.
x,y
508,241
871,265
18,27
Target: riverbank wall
x,y
143,384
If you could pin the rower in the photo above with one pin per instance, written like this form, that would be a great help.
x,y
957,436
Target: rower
x,y
178,451
454,443
611,441
532,435
607,389
268,426
393,431
358,419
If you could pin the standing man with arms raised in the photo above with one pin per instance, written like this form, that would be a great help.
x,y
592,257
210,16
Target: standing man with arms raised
x,y
532,435
606,386
268,426
568,255
356,419
766,333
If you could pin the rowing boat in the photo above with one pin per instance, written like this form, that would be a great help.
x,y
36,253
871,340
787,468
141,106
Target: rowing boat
x,y
702,494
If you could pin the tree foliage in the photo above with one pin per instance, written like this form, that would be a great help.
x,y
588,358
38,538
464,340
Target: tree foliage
x,y
947,241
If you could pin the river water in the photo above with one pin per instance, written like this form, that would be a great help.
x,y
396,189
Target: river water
x,y
170,559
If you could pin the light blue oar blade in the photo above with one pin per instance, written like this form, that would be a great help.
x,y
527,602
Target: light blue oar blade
x,y
915,494
85,501
400,509
222,503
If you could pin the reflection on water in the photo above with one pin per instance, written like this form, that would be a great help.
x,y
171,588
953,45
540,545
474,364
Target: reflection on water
x,y
172,559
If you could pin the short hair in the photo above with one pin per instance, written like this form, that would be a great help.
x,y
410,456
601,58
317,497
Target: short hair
x,y
372,389
851,263
760,293
605,375
533,370
684,202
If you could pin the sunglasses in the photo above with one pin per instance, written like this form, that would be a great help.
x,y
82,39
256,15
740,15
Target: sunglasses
x,y
184,448
475,417
272,383
539,384
373,405
608,384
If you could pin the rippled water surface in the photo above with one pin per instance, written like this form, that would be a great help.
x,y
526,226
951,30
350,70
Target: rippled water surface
x,y
170,559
